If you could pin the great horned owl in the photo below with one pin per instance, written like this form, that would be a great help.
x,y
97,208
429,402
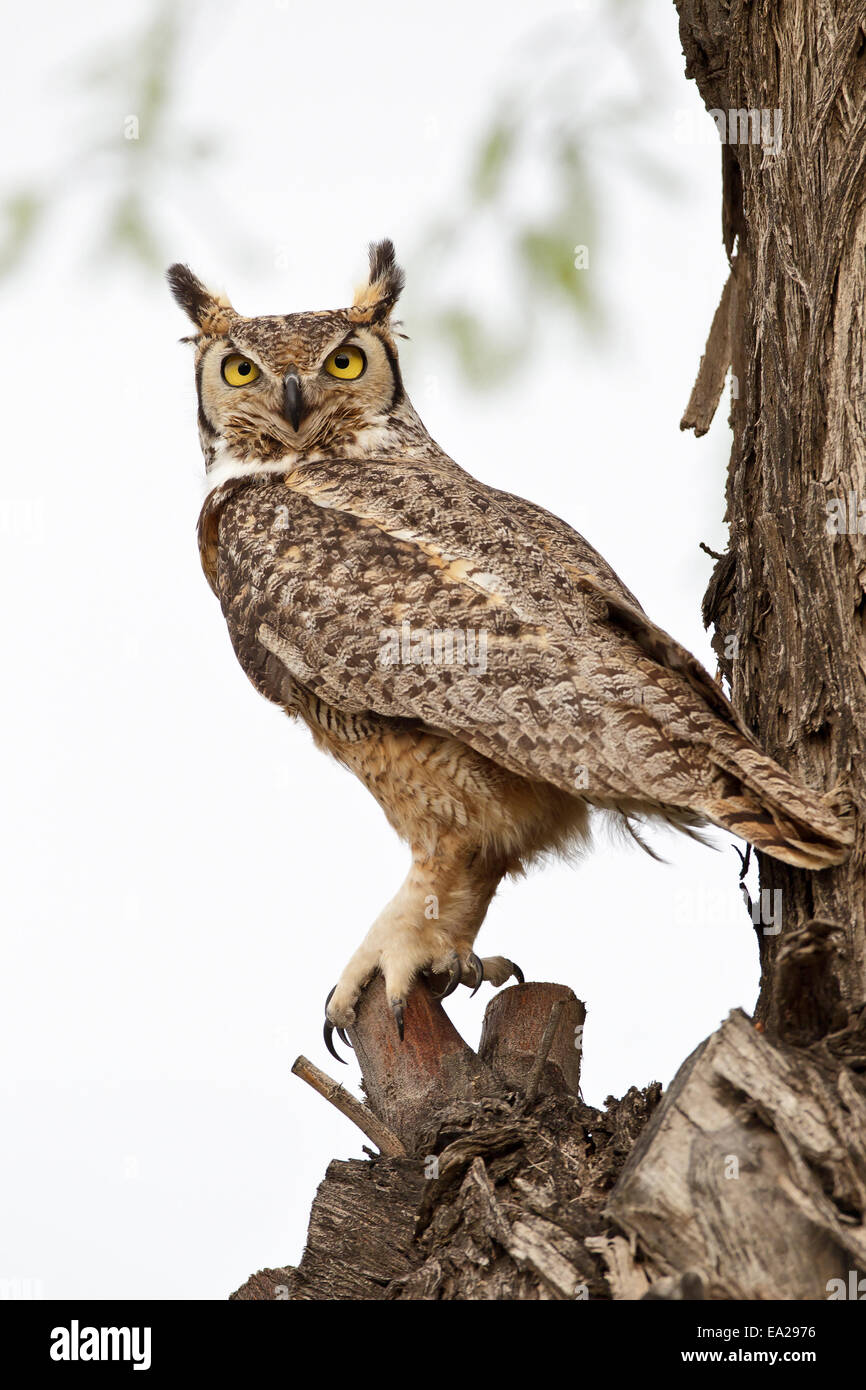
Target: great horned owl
x,y
463,652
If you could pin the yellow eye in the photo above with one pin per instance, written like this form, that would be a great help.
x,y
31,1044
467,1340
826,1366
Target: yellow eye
x,y
347,363
239,371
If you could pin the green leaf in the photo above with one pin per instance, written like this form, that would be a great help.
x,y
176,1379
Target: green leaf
x,y
492,160
22,212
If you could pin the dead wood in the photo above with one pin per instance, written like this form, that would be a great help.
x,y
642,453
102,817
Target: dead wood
x,y
752,1174
710,381
408,1082
384,1138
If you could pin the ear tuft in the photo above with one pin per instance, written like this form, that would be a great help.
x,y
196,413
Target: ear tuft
x,y
375,299
211,313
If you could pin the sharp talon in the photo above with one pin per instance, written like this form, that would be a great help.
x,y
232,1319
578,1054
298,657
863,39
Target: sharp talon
x,y
341,1034
453,978
328,1033
397,1006
454,973
517,973
479,973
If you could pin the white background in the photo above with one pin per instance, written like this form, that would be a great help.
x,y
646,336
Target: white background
x,y
184,875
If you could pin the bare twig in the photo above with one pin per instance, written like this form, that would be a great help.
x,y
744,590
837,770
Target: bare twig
x,y
385,1139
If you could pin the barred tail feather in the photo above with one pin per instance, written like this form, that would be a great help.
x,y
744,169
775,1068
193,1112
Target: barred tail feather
x,y
756,799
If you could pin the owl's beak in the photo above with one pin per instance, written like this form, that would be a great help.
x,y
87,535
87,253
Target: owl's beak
x,y
293,398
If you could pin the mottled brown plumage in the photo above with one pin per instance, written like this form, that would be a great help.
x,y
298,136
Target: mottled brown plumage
x,y
465,653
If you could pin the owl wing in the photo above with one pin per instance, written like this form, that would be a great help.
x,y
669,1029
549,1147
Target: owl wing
x,y
418,593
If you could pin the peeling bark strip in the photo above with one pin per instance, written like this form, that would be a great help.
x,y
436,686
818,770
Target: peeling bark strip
x,y
707,390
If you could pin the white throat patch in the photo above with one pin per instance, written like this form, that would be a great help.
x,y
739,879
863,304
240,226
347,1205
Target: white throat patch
x,y
227,465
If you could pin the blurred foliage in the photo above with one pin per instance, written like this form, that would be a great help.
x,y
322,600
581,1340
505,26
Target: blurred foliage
x,y
560,129
22,212
532,194
135,80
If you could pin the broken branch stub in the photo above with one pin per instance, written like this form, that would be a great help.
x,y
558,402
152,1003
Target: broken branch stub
x,y
408,1082
531,1043
514,1033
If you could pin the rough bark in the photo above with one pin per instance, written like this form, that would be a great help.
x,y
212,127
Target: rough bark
x,y
360,1236
751,1179
752,1175
787,601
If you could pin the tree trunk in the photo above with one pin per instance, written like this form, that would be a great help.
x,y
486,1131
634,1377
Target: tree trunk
x,y
753,1174
787,601
749,1179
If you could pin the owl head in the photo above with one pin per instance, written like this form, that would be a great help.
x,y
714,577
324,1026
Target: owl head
x,y
303,385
